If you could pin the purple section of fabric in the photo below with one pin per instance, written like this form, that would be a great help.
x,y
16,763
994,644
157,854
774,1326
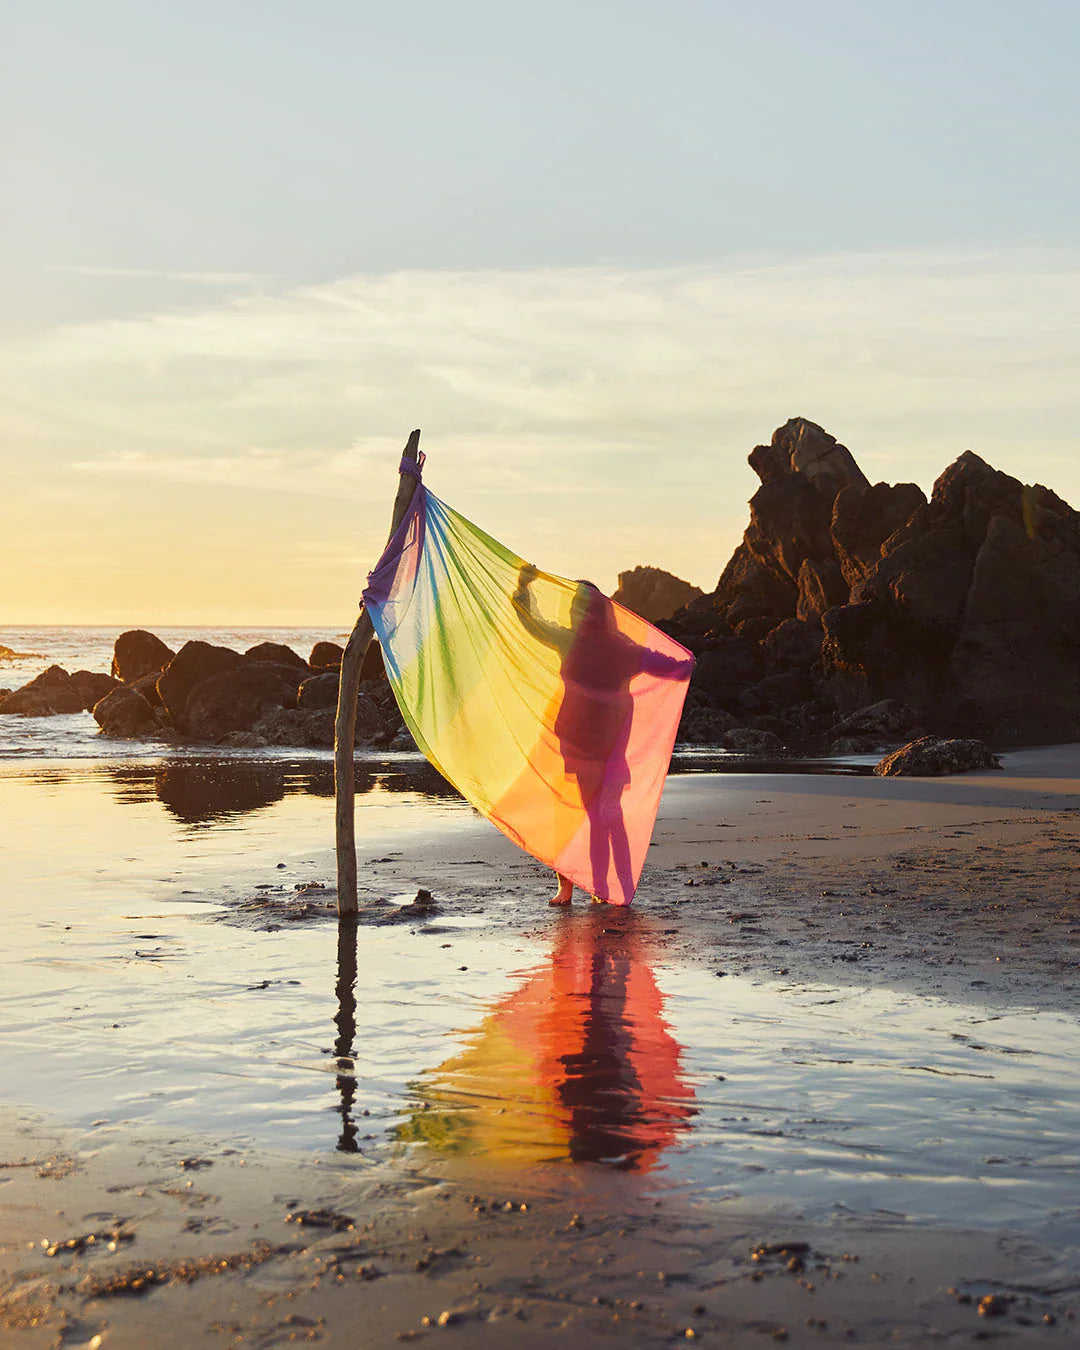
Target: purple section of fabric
x,y
413,467
383,578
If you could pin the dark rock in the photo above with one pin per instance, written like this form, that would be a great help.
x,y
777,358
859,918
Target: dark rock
x,y
324,655
756,630
137,653
749,589
727,667
194,662
296,726
277,653
776,692
793,644
235,699
244,740
877,727
751,741
372,725
92,686
930,757
402,740
125,713
864,518
315,726
373,667
48,694
653,593
319,691
704,726
969,616
147,686
821,585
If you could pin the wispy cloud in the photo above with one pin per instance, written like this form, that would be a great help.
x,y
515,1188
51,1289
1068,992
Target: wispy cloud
x,y
607,408
164,274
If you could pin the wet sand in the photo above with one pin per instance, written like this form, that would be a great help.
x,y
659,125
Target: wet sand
x,y
962,889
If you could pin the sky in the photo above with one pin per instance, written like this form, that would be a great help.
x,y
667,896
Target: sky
x,y
596,251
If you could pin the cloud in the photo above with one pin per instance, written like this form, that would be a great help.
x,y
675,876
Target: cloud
x,y
166,274
608,408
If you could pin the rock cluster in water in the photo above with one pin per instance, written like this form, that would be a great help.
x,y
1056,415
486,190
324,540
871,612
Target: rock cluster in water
x,y
269,695
858,616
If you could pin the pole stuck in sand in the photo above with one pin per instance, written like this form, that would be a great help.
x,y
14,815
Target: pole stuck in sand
x,y
345,723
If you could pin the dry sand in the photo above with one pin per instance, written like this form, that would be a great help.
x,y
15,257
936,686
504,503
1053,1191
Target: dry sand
x,y
965,888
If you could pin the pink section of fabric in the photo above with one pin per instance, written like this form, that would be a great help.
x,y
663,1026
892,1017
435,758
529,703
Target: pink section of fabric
x,y
606,854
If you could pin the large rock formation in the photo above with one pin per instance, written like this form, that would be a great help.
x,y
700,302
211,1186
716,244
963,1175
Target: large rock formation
x,y
654,593
961,610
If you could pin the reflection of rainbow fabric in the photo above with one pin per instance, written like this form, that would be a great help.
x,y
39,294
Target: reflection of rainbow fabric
x,y
551,709
576,1064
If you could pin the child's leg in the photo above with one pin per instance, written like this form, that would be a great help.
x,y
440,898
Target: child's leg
x,y
565,892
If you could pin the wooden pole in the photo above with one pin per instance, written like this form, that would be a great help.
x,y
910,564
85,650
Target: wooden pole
x,y
345,723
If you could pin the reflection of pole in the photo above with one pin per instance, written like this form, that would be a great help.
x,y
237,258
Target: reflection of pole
x,y
345,1021
345,722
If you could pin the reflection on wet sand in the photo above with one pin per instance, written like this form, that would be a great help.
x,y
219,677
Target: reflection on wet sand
x,y
205,791
345,1041
576,1064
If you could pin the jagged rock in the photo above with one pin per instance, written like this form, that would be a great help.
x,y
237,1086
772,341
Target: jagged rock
x,y
235,699
969,615
931,756
863,518
802,447
748,589
125,713
319,691
402,740
751,741
92,686
324,655
137,653
821,585
194,662
654,593
705,726
47,695
277,653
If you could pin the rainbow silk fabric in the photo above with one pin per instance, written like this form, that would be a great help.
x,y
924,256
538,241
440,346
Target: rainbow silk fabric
x,y
552,709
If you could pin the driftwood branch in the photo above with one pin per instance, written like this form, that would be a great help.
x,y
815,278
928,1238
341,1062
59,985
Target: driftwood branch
x,y
345,723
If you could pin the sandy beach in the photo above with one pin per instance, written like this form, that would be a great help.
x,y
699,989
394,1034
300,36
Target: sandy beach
x,y
845,1028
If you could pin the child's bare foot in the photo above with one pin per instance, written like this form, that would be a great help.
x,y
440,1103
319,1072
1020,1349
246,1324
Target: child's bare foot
x,y
565,893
